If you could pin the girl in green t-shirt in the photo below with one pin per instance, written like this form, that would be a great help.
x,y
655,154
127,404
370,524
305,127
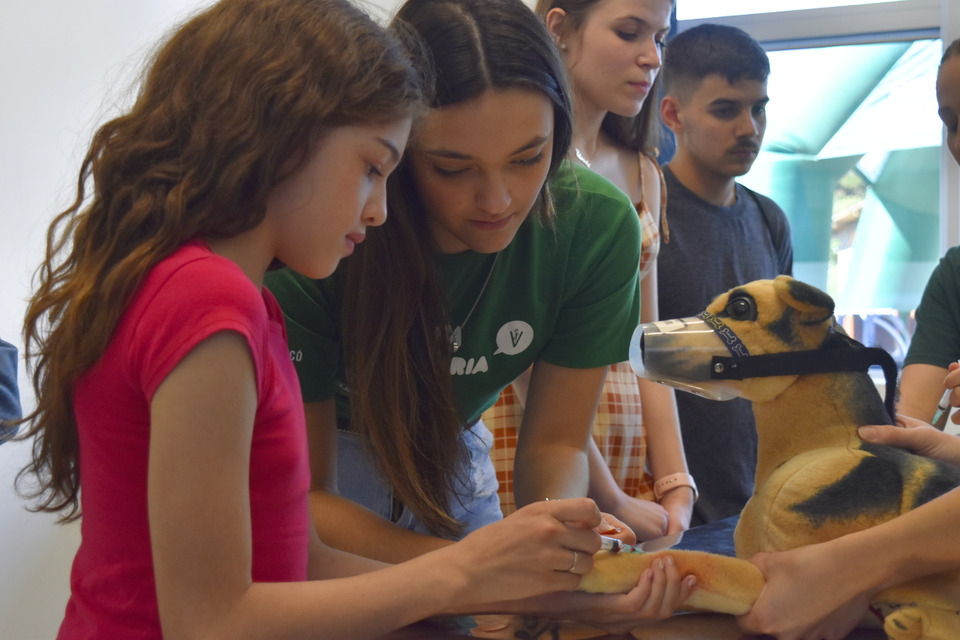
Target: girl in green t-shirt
x,y
497,255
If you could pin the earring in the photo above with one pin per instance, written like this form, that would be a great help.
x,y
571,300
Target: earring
x,y
562,46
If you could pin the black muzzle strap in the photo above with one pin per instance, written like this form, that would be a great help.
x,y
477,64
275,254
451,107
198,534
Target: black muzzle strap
x,y
793,363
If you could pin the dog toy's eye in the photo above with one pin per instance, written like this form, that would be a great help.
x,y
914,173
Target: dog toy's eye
x,y
741,308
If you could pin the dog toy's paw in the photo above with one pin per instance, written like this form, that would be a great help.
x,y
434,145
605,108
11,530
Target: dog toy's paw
x,y
724,584
926,623
905,623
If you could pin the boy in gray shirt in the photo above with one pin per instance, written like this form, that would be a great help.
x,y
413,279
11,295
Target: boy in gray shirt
x,y
722,234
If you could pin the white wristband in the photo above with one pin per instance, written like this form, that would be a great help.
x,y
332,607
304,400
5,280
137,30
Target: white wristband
x,y
668,483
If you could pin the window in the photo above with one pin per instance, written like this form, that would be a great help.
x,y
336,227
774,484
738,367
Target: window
x,y
853,159
816,22
693,9
853,149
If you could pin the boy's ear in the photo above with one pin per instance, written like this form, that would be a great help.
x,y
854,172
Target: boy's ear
x,y
554,21
669,113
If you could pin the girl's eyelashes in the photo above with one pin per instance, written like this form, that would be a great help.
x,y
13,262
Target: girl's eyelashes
x,y
526,162
522,162
448,173
626,36
634,29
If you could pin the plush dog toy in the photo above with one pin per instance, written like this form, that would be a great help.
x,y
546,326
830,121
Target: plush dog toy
x,y
780,348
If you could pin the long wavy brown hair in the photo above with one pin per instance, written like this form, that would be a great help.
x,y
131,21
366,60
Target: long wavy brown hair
x,y
398,370
637,133
229,105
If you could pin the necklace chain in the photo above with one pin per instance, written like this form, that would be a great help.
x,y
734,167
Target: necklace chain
x,y
456,334
582,158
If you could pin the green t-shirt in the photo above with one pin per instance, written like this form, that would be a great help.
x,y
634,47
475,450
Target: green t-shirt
x,y
570,296
937,338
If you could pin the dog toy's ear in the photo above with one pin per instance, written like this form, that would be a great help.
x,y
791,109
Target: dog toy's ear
x,y
814,305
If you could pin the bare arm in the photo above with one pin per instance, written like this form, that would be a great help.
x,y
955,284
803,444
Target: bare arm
x,y
201,429
551,460
823,590
921,386
342,523
662,424
603,487
645,518
665,450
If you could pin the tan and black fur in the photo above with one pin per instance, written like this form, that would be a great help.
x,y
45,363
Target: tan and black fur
x,y
816,480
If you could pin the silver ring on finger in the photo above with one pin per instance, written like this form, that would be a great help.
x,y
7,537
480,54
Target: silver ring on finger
x,y
574,565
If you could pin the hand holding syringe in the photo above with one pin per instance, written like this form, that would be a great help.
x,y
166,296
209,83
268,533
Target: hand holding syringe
x,y
944,405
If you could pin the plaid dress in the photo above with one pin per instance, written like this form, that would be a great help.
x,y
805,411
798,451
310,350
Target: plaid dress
x,y
618,425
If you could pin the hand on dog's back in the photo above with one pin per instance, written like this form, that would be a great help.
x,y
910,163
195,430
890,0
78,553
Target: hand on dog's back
x,y
915,435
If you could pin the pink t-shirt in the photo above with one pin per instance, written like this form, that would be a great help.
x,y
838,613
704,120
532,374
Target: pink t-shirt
x,y
184,299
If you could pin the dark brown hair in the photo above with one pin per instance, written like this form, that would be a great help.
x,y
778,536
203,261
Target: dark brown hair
x,y
397,352
637,133
227,101
953,49
709,49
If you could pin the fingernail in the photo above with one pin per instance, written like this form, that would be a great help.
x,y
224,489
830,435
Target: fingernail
x,y
606,527
659,564
691,581
670,560
867,433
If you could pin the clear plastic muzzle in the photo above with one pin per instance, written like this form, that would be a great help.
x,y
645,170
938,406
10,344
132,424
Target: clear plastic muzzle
x,y
679,353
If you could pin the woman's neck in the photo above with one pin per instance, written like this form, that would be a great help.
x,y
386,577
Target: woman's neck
x,y
595,149
587,138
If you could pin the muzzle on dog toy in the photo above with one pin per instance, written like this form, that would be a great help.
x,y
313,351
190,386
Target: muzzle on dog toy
x,y
680,353
700,354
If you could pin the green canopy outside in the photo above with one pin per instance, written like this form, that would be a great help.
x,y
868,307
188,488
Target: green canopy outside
x,y
871,108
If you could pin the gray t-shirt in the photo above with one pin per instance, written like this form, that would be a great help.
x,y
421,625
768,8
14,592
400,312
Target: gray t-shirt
x,y
711,250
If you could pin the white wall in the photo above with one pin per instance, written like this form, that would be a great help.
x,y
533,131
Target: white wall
x,y
65,66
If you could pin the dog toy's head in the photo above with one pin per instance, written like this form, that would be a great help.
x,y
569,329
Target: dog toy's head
x,y
762,317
